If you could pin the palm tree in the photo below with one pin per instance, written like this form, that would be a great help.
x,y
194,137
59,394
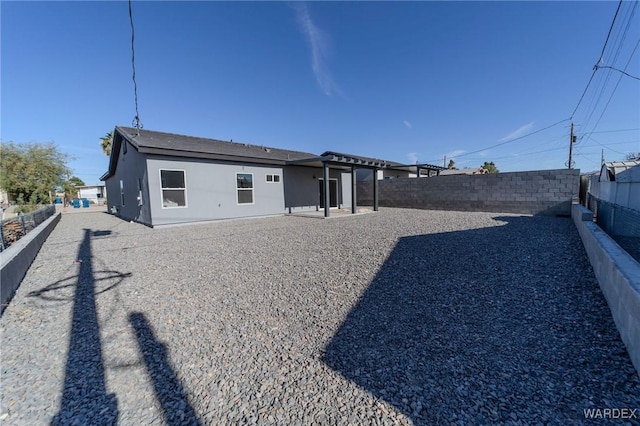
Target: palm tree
x,y
106,142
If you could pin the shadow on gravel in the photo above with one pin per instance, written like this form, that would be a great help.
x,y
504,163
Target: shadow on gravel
x,y
493,325
84,396
169,391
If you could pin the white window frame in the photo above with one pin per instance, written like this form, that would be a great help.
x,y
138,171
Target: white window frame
x,y
184,172
252,189
273,178
121,192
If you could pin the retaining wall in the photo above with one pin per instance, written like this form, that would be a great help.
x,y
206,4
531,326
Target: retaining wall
x,y
16,260
619,276
547,192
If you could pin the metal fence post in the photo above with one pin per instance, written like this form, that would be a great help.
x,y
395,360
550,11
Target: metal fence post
x,y
4,243
24,230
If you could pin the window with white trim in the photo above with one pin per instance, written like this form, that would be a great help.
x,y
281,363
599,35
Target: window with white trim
x,y
244,188
273,178
174,188
121,193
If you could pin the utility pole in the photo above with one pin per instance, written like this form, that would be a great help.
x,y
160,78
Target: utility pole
x,y
572,140
602,157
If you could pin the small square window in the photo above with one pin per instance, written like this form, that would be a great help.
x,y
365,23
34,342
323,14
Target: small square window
x,y
273,178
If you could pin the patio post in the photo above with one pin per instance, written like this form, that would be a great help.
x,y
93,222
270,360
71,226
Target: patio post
x,y
375,190
353,190
325,184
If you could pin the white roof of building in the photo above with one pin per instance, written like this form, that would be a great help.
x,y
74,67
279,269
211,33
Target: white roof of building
x,y
621,171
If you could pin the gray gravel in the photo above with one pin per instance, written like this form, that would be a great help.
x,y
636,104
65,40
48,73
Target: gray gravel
x,y
399,317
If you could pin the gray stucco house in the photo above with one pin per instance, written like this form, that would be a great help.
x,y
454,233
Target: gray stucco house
x,y
158,178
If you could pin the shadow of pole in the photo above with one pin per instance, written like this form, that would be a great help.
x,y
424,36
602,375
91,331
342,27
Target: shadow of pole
x,y
84,397
169,391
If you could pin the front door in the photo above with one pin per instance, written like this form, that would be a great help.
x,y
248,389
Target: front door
x,y
333,192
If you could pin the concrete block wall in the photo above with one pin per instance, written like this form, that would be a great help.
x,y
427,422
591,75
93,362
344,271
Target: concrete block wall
x,y
16,260
547,192
619,277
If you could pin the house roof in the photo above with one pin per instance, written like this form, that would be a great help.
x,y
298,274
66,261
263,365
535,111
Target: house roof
x,y
621,171
146,141
465,171
175,145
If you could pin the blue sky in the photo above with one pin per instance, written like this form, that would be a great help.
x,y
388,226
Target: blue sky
x,y
402,81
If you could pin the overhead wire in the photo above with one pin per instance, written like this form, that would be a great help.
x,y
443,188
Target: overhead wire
x,y
594,68
136,120
614,90
620,39
514,139
616,130
616,69
610,29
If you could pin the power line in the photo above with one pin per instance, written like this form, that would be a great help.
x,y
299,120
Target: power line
x,y
619,39
600,59
615,131
512,140
623,36
614,89
610,149
610,28
616,69
584,92
136,120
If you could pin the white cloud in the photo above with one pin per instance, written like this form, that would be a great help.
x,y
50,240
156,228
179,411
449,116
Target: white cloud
x,y
518,132
413,157
408,124
319,45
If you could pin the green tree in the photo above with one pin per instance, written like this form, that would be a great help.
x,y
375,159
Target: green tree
x,y
105,142
76,181
31,172
490,167
70,187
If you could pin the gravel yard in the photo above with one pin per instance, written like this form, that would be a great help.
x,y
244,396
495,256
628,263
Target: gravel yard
x,y
397,317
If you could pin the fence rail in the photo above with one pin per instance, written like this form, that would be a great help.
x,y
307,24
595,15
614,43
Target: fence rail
x,y
17,227
615,219
621,223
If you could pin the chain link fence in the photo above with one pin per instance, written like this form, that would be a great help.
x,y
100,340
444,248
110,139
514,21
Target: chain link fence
x,y
17,227
621,223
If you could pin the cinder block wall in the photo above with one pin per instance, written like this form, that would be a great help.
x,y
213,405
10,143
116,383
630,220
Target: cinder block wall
x,y
619,277
547,192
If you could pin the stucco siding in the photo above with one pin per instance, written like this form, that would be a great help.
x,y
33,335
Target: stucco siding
x,y
131,170
345,187
302,190
211,191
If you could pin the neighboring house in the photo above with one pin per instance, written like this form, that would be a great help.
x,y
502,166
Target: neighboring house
x,y
94,193
618,183
158,178
465,171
